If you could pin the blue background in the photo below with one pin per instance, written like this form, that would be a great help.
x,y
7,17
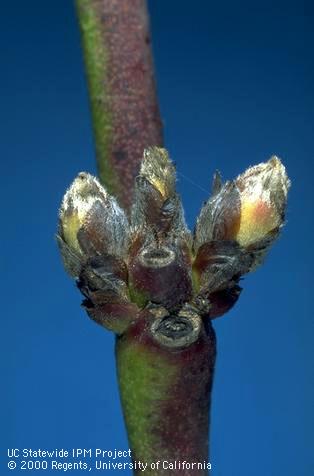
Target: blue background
x,y
235,84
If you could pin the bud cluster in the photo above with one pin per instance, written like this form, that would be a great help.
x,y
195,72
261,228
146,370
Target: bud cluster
x,y
124,266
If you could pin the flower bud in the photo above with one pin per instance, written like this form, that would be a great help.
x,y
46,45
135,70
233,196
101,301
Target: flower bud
x,y
263,194
235,229
91,224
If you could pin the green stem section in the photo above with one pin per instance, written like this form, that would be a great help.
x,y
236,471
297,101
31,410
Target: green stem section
x,y
165,396
119,68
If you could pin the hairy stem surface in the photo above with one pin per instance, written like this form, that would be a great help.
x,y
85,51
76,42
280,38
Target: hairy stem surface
x,y
119,68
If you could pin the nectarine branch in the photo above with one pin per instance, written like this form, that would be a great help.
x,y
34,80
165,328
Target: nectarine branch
x,y
119,68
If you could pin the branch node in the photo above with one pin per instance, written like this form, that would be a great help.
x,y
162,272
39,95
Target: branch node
x,y
177,330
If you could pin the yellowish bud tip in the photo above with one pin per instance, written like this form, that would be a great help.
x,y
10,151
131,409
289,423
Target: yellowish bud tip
x,y
257,220
71,226
263,193
77,202
158,169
